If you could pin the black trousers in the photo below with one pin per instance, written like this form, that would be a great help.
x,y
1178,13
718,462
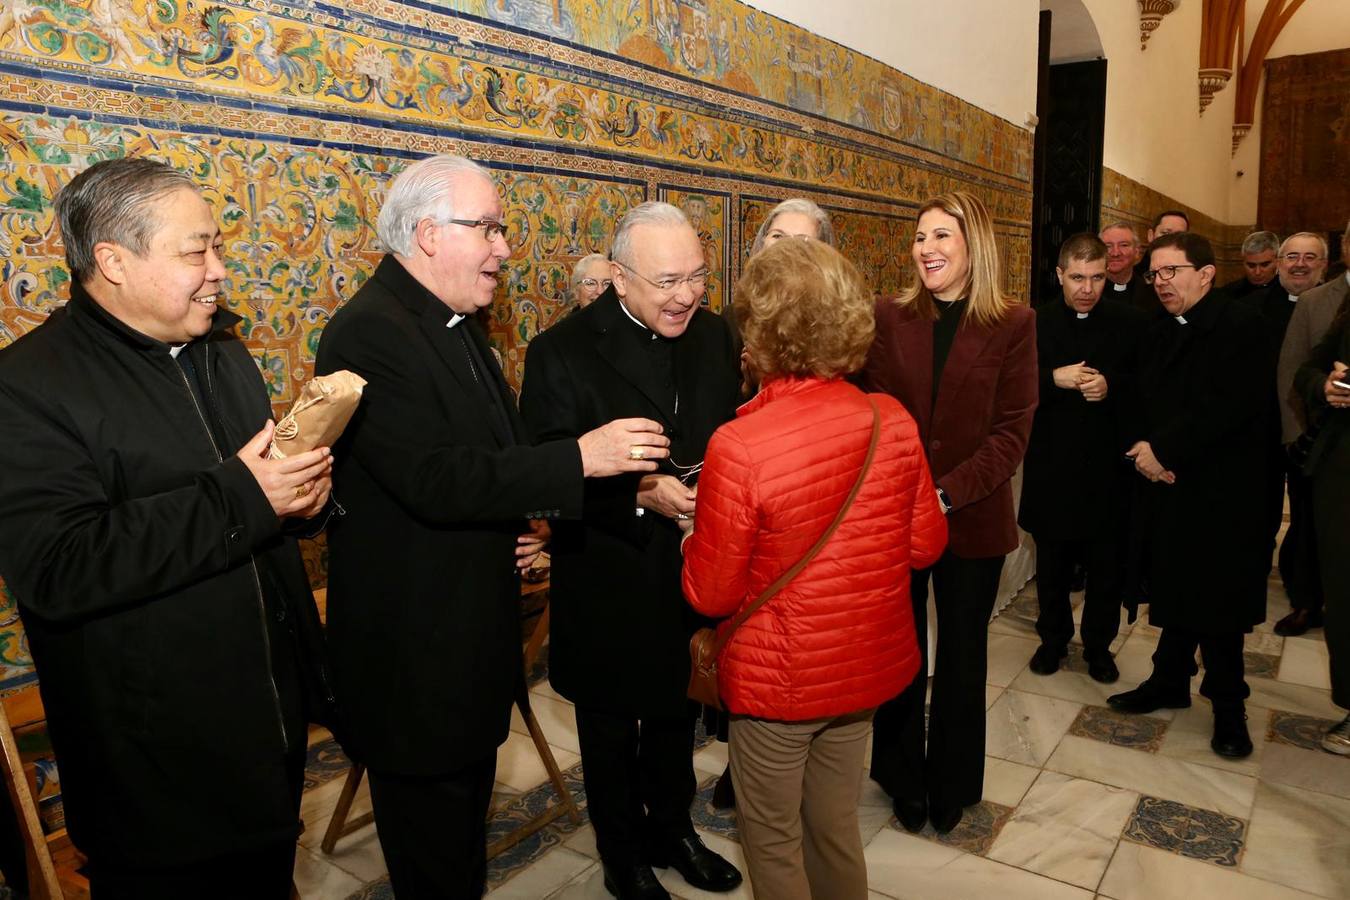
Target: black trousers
x,y
264,874
433,831
1224,684
639,777
1299,568
951,771
1332,485
1101,604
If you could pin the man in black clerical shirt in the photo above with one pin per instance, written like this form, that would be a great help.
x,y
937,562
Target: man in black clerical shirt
x,y
1259,258
1074,488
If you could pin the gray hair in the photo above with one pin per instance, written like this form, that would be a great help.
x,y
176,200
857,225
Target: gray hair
x,y
113,201
424,190
579,270
824,228
1322,241
1260,242
653,212
1134,232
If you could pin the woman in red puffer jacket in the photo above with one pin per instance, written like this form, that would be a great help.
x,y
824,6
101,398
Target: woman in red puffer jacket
x,y
802,676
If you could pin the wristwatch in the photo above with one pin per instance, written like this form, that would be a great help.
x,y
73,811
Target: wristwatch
x,y
942,498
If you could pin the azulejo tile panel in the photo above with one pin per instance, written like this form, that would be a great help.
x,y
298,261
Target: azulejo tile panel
x,y
1178,828
1123,730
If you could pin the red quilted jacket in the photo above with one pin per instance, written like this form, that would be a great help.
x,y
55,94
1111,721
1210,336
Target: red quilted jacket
x,y
840,636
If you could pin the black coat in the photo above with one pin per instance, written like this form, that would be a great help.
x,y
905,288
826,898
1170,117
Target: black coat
x,y
1075,475
620,626
1137,294
1330,453
136,555
423,596
1203,406
1273,305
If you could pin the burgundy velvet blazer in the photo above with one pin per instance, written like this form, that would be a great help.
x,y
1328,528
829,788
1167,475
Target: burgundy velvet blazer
x,y
976,433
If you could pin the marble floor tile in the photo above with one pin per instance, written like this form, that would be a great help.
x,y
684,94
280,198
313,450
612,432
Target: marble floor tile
x,y
1135,665
1008,655
1188,737
1313,770
552,872
583,842
991,693
1024,728
519,765
544,689
1065,828
556,717
1305,662
318,879
1201,834
1263,642
1146,873
1295,698
359,854
1006,782
712,759
589,885
1155,775
316,808
910,868
979,826
1300,839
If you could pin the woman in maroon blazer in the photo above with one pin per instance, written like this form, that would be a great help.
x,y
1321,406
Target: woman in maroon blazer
x,y
961,356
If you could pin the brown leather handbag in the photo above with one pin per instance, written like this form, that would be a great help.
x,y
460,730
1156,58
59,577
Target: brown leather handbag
x,y
706,644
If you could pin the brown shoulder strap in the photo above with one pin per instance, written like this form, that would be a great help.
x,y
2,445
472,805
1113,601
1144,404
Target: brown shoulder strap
x,y
724,635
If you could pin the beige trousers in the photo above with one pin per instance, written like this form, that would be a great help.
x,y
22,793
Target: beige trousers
x,y
797,787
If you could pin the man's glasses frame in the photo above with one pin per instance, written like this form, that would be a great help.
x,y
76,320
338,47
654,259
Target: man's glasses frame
x,y
491,227
1165,273
697,281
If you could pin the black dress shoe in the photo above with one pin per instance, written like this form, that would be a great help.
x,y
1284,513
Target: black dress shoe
x,y
944,820
1298,622
911,814
1101,666
1045,661
701,867
1230,734
1149,697
635,882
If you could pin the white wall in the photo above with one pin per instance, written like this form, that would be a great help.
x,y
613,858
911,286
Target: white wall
x,y
1154,131
1317,26
983,51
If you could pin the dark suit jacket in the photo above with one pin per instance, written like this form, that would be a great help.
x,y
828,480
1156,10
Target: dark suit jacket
x,y
423,597
976,433
620,627
1076,473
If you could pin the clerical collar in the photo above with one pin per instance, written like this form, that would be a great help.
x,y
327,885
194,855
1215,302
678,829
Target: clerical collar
x,y
1120,287
632,318
1181,320
455,319
1083,315
176,349
1293,298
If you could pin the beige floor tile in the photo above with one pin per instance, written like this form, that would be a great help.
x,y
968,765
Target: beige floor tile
x,y
1006,783
1147,873
318,879
991,693
1267,642
544,689
1313,770
1008,655
712,759
589,885
359,854
1157,776
317,809
1295,698
1305,662
551,873
556,717
1134,664
583,842
911,868
1300,839
1187,738
519,765
1065,828
1024,728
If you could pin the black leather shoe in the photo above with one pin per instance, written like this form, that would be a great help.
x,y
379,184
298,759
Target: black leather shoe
x,y
911,814
636,882
1230,734
1298,622
1148,697
944,820
1045,661
1101,666
700,867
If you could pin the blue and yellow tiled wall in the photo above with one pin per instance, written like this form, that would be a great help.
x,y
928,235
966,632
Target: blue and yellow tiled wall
x,y
295,115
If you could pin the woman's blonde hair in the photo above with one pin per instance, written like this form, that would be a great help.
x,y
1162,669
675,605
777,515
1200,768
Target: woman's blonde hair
x,y
983,288
806,310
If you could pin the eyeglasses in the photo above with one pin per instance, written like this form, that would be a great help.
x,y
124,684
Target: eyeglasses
x,y
671,284
492,229
1163,273
1304,257
594,283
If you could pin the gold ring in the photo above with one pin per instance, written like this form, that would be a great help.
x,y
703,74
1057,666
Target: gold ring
x,y
302,490
635,452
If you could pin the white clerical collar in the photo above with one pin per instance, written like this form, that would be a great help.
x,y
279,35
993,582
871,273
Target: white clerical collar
x,y
455,319
1181,320
1293,298
635,321
176,349
1120,287
1083,315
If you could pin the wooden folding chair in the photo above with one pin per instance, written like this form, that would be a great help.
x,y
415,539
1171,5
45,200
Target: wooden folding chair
x,y
339,826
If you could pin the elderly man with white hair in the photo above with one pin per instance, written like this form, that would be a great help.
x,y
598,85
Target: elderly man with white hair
x,y
442,495
619,642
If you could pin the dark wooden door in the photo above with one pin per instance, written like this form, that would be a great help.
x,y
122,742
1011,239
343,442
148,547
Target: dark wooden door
x,y
1069,189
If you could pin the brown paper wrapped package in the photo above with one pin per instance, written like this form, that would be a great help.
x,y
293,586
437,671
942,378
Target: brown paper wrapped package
x,y
325,406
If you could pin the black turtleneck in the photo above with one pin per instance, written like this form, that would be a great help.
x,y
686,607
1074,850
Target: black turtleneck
x,y
944,332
